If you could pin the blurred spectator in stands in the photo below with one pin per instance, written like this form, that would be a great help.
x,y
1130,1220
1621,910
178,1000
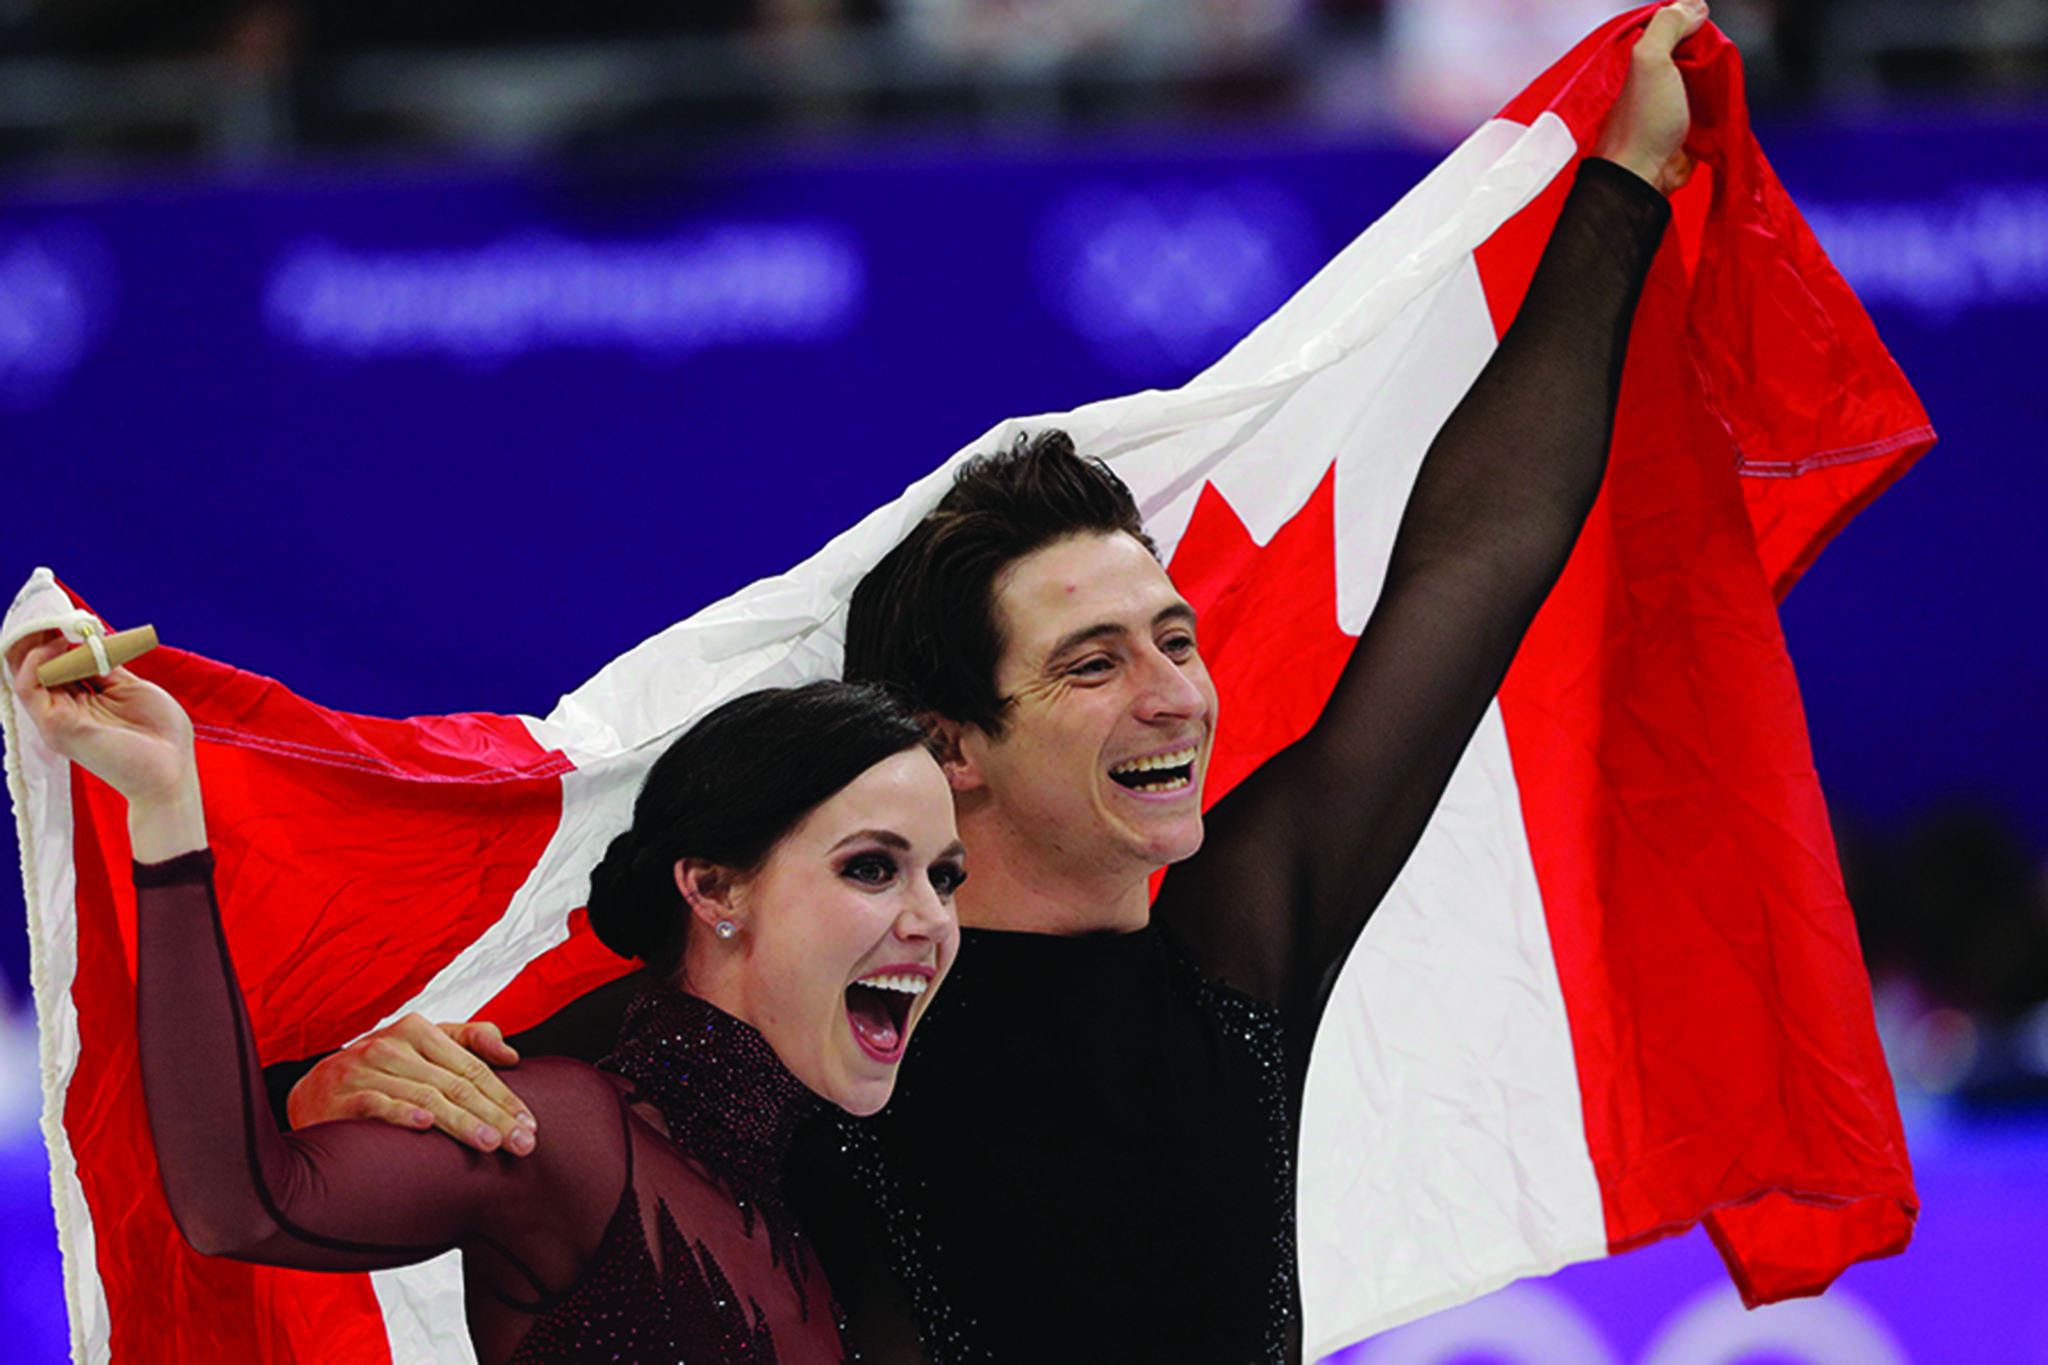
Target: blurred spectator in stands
x,y
99,30
1043,33
1452,63
1954,923
1957,904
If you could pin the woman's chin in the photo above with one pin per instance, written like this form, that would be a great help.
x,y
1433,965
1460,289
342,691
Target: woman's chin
x,y
865,1095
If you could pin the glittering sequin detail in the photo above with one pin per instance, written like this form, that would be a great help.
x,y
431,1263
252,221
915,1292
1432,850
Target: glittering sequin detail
x,y
729,1103
949,1335
952,1335
1258,1027
732,1108
627,1310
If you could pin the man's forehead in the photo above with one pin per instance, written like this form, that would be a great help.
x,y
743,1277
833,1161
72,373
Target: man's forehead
x,y
1080,583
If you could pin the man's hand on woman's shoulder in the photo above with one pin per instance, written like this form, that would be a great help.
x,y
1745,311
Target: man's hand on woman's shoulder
x,y
417,1074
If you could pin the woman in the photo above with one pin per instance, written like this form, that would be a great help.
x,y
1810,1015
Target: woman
x,y
789,872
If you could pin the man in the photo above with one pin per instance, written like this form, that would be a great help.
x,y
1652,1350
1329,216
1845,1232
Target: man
x,y
1089,1152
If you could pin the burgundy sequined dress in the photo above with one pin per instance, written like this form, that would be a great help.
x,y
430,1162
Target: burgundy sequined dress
x,y
649,1225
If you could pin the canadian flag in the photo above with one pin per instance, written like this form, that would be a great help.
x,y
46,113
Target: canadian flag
x,y
1615,993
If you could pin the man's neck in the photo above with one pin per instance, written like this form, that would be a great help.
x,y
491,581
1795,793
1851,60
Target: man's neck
x,y
1009,888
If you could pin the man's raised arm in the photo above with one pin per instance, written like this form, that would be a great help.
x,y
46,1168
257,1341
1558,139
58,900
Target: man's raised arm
x,y
1297,857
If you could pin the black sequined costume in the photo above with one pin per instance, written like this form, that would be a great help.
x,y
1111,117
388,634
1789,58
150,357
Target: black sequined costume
x,y
1094,1158
649,1225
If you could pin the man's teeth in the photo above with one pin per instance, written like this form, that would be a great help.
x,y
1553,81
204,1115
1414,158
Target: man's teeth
x,y
1180,758
908,982
1160,773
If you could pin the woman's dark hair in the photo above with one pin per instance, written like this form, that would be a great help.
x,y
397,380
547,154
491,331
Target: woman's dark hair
x,y
924,619
730,787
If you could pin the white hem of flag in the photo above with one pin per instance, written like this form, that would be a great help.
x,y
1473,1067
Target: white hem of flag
x,y
37,781
425,1322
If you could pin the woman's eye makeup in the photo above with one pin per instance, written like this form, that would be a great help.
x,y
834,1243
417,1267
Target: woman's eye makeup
x,y
946,877
869,869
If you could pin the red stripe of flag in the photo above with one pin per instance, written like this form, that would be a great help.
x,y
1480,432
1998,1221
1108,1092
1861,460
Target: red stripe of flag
x,y
1681,842
358,857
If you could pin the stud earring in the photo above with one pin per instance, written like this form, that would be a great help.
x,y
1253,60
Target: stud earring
x,y
725,929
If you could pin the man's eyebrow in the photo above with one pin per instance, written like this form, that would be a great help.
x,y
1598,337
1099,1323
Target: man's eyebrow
x,y
888,838
1172,611
1073,640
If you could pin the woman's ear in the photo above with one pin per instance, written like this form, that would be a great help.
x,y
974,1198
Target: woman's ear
x,y
711,890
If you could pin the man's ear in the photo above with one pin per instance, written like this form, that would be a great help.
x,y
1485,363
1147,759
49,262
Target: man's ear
x,y
711,891
955,744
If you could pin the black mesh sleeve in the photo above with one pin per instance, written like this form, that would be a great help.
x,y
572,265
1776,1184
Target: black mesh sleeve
x,y
1298,856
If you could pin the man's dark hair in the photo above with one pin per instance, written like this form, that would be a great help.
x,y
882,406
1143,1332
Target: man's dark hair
x,y
924,620
727,791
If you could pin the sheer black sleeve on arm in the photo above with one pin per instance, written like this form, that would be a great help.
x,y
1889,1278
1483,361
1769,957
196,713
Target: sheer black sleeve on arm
x,y
1298,856
339,1196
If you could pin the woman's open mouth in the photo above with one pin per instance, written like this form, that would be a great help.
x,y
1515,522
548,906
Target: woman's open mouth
x,y
1159,774
878,1009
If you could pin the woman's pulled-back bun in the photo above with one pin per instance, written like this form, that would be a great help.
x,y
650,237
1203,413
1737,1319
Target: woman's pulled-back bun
x,y
627,890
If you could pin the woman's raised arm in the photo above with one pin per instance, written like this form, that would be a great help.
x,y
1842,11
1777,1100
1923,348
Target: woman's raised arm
x,y
337,1197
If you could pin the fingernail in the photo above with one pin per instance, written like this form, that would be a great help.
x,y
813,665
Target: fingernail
x,y
526,1118
486,1137
521,1141
422,1119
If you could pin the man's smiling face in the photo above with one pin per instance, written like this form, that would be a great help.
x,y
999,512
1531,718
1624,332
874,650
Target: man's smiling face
x,y
1106,739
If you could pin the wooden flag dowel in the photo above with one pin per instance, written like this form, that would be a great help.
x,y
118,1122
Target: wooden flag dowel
x,y
78,663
